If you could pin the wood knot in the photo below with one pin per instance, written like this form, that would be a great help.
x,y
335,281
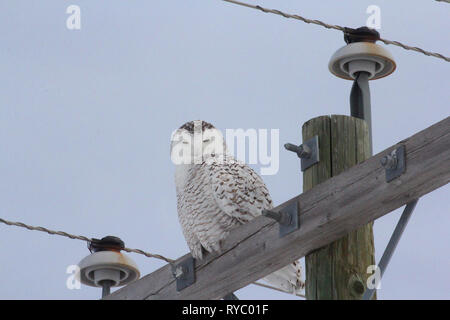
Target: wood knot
x,y
356,286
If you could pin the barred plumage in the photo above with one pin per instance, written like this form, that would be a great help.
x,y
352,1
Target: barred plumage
x,y
216,193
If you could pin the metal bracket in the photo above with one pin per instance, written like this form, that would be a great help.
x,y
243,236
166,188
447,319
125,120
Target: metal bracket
x,y
393,241
394,163
360,101
308,152
184,272
286,217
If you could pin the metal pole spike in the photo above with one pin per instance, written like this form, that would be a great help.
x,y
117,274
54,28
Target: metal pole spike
x,y
280,217
106,287
302,151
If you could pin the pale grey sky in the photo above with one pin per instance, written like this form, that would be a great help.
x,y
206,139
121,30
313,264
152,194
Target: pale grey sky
x,y
86,117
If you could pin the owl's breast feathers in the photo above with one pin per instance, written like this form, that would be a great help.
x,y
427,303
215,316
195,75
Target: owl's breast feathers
x,y
217,196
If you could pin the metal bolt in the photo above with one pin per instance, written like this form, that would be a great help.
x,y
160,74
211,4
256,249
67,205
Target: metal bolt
x,y
302,151
390,161
106,287
281,217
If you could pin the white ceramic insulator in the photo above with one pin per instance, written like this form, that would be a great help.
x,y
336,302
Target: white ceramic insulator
x,y
108,265
362,65
362,56
107,274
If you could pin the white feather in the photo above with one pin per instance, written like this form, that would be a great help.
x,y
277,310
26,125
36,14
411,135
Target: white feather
x,y
215,196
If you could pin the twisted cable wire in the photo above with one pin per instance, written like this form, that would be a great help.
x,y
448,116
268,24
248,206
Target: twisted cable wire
x,y
336,27
78,237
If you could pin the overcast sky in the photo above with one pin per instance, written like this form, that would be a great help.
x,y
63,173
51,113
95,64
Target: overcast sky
x,y
86,117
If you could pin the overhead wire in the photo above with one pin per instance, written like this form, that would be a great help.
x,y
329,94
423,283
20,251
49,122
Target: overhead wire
x,y
78,237
138,251
336,27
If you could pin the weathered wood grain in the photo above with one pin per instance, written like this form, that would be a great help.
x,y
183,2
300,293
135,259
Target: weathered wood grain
x,y
337,269
327,212
318,270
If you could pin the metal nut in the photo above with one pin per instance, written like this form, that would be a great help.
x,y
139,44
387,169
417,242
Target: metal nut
x,y
389,161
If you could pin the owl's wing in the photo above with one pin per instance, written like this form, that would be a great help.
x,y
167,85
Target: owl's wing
x,y
187,221
238,190
241,194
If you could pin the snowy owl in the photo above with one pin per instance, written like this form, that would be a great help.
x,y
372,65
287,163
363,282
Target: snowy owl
x,y
216,193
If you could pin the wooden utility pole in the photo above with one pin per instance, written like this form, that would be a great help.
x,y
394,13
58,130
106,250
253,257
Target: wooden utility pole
x,y
338,270
327,213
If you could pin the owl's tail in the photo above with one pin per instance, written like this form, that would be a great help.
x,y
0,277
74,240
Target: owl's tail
x,y
288,279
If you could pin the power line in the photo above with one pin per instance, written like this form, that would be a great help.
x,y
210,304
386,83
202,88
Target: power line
x,y
83,238
287,15
138,251
336,27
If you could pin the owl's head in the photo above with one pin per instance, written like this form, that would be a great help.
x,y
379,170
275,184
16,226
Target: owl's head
x,y
196,141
